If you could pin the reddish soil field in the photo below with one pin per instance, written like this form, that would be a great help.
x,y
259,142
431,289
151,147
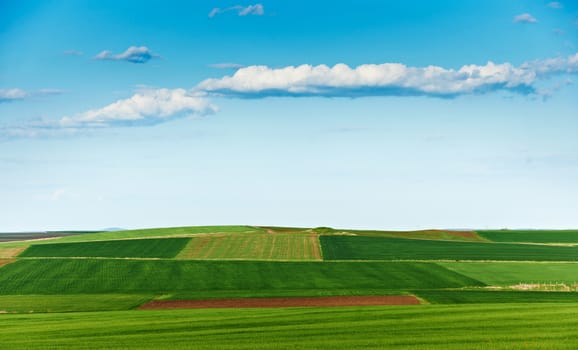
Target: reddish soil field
x,y
282,302
465,234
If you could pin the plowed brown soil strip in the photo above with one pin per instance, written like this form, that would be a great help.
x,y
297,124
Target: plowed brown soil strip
x,y
11,252
465,234
282,302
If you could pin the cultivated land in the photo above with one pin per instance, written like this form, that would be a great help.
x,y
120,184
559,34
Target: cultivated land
x,y
381,248
135,248
253,246
500,289
531,236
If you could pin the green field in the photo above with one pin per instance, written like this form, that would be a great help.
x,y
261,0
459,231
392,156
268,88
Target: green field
x,y
135,248
471,285
442,235
77,276
534,236
253,246
143,233
70,303
381,248
454,327
492,296
507,274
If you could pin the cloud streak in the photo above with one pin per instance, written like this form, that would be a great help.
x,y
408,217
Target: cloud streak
x,y
525,18
226,65
388,79
555,5
10,95
133,54
254,10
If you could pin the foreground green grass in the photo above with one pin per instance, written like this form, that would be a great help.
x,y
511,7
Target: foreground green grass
x,y
534,236
490,296
504,326
70,303
508,274
77,276
381,248
134,248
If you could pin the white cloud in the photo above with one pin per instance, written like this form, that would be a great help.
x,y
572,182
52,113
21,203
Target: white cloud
x,y
388,79
226,65
553,66
133,54
145,108
255,10
555,5
148,107
154,106
9,95
525,18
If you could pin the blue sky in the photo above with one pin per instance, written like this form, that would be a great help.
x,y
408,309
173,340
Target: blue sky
x,y
365,114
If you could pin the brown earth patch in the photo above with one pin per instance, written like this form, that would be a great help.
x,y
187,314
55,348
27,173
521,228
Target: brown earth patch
x,y
11,252
465,234
315,247
283,302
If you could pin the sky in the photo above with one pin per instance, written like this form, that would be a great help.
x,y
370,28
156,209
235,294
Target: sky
x,y
353,114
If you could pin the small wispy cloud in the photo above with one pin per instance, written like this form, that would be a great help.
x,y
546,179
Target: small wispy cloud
x,y
73,53
226,65
9,95
254,10
59,194
558,31
525,18
555,5
133,54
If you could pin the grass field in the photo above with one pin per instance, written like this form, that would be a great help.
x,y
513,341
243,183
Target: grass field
x,y
70,303
253,246
5,262
475,303
454,327
534,236
136,248
507,274
380,248
77,276
442,235
135,234
22,236
485,296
